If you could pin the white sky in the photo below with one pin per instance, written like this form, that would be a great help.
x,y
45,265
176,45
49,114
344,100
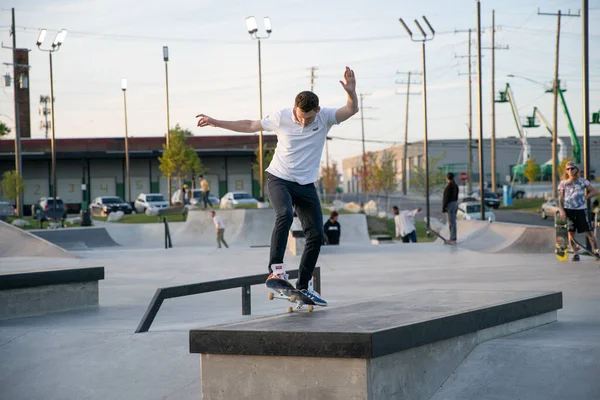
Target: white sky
x,y
213,63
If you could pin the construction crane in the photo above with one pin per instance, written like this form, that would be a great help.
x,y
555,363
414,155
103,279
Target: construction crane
x,y
508,97
546,168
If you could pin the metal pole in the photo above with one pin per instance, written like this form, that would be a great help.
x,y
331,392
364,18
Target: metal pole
x,y
555,112
480,113
127,170
260,135
470,140
586,95
493,138
53,138
362,125
168,125
18,161
425,146
405,163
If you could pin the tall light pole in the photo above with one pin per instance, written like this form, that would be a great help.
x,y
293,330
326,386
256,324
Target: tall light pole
x,y
18,160
253,31
127,170
424,39
480,115
58,41
166,59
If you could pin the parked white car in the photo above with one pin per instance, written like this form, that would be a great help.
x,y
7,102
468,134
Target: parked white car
x,y
472,210
197,198
233,199
150,201
549,208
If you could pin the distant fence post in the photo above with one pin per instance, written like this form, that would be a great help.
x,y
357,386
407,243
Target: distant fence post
x,y
168,242
246,300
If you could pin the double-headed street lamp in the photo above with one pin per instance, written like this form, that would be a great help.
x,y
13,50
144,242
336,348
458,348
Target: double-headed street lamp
x,y
128,176
253,31
58,41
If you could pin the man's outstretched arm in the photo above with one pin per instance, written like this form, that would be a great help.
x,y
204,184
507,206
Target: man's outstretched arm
x,y
244,126
351,107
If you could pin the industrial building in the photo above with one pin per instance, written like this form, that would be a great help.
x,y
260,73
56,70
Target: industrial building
x,y
88,168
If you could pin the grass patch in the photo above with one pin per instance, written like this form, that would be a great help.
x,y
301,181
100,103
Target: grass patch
x,y
531,205
385,226
33,223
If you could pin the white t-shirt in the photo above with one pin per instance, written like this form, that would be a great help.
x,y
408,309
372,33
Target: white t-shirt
x,y
405,222
218,221
298,153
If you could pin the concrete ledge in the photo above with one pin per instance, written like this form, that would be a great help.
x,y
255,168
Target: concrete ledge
x,y
41,292
398,347
381,239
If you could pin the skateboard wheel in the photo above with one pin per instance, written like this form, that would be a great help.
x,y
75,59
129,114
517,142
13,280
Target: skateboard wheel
x,y
310,308
289,309
293,298
271,296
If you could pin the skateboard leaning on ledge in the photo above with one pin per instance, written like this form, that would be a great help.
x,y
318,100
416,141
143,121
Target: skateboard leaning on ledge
x,y
284,290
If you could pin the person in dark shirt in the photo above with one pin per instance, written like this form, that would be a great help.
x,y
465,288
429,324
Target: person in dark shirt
x,y
332,229
450,205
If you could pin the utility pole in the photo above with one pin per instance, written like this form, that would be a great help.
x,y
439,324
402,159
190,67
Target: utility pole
x,y
405,155
312,86
480,114
18,162
585,54
362,126
555,89
45,111
494,47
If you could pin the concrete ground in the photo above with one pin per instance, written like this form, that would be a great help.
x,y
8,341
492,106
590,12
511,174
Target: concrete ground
x,y
94,354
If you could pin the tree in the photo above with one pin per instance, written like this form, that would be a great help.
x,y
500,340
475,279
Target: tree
x,y
386,175
4,129
366,173
329,175
532,171
437,177
562,167
180,160
267,157
12,185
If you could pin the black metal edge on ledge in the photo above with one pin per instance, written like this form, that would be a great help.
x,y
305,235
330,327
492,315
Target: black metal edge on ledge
x,y
369,344
28,279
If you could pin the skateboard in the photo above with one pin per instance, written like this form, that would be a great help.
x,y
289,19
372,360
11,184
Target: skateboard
x,y
581,247
284,290
437,234
561,247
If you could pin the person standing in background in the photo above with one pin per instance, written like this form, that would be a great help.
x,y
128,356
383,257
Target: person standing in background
x,y
220,226
332,229
450,205
205,191
405,224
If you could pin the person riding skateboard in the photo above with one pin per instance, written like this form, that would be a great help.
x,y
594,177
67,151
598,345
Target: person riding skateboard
x,y
294,169
572,201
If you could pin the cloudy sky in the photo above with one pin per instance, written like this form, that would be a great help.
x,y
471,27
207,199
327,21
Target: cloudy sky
x,y
213,67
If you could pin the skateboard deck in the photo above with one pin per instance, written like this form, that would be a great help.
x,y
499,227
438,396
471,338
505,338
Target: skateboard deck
x,y
583,248
284,290
435,233
561,248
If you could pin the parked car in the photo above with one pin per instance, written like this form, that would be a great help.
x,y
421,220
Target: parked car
x,y
549,208
197,198
237,198
102,206
6,209
472,211
45,209
150,201
489,199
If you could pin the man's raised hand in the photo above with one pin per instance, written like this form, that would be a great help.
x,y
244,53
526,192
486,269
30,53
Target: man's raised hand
x,y
205,120
349,82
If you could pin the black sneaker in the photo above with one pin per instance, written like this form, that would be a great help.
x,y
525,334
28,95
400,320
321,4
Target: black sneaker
x,y
575,257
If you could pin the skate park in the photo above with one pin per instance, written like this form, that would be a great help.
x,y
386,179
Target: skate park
x,y
549,350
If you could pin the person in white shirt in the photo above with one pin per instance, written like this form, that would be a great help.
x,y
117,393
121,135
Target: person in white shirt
x,y
301,134
405,224
220,226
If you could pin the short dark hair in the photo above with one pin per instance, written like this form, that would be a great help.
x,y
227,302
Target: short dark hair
x,y
307,101
395,208
450,176
333,214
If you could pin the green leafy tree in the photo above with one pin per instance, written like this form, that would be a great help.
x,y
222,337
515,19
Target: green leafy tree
x,y
437,177
386,175
4,129
267,157
180,160
12,185
532,171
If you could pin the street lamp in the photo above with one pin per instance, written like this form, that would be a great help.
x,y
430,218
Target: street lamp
x,y
253,31
166,59
425,37
128,176
58,41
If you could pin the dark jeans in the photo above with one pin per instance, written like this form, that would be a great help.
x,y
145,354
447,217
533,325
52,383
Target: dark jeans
x,y
205,198
287,197
410,237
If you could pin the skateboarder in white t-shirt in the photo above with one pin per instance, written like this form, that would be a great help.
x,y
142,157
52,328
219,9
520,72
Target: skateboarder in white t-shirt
x,y
301,134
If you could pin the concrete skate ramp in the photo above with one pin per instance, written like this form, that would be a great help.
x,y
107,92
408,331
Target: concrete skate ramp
x,y
354,228
505,237
15,242
77,238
